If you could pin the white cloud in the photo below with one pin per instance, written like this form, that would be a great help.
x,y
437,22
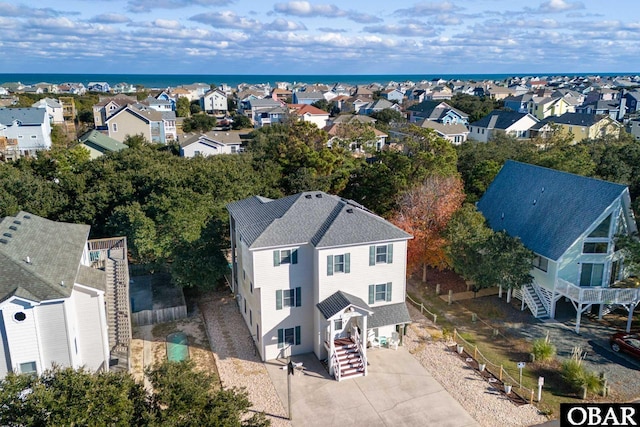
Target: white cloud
x,y
304,8
422,9
281,24
227,19
110,18
553,6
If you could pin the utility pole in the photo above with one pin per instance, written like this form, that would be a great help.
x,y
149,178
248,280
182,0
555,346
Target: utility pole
x,y
290,367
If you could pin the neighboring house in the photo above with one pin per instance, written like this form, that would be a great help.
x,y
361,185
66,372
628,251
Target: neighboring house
x,y
307,97
155,126
454,133
632,101
439,93
633,127
353,118
437,111
507,122
270,116
254,107
193,91
64,299
158,104
599,108
377,106
214,102
313,272
108,106
211,143
9,150
549,106
498,92
98,87
54,109
98,144
338,132
29,126
393,95
570,222
309,113
124,88
581,126
281,94
520,103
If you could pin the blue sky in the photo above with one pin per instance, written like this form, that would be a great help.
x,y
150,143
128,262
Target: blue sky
x,y
318,37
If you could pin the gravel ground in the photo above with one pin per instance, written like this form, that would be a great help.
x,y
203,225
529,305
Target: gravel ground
x,y
238,366
234,353
489,407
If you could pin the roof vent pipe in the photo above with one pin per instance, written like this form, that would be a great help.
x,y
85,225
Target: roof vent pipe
x,y
28,260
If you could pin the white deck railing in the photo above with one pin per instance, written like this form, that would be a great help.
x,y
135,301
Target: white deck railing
x,y
597,295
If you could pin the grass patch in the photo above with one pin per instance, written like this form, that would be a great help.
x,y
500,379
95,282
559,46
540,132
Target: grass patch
x,y
501,349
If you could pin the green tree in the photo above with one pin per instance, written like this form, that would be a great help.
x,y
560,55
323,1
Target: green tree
x,y
504,261
429,154
194,107
466,232
131,221
241,121
388,116
476,107
135,141
182,107
199,123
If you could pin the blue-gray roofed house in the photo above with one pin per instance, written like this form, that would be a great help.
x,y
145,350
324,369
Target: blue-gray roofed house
x,y
317,273
570,223
29,126
510,123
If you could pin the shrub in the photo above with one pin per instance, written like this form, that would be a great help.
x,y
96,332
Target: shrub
x,y
543,349
577,376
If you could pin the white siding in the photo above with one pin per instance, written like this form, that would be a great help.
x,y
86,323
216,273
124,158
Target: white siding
x,y
22,336
357,281
52,329
285,276
91,334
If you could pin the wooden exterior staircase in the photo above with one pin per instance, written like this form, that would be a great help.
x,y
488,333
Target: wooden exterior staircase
x,y
350,363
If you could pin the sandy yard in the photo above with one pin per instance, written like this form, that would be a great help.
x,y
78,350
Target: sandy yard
x,y
149,345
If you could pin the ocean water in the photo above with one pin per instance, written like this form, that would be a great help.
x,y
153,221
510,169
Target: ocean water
x,y
173,80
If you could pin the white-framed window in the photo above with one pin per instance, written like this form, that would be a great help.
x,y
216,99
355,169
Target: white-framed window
x,y
541,263
591,274
34,136
114,127
380,292
381,254
28,368
595,247
289,336
285,256
288,298
337,325
340,263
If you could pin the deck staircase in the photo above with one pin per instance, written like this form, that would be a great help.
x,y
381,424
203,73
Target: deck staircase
x,y
534,302
350,362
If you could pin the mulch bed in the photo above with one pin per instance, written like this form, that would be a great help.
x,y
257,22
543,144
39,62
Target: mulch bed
x,y
489,376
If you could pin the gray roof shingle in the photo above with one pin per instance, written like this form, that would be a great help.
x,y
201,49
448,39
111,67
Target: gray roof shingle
x,y
54,250
23,115
339,301
499,119
390,314
547,209
312,217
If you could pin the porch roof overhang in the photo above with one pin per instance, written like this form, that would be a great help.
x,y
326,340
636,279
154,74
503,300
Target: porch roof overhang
x,y
340,301
390,314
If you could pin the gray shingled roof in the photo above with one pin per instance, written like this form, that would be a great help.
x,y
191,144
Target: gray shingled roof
x,y
23,115
390,314
311,217
575,119
338,302
499,119
92,277
547,209
54,250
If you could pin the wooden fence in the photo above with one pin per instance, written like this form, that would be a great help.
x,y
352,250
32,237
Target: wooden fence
x,y
151,317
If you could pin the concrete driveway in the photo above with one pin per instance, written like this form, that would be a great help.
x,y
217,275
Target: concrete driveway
x,y
398,391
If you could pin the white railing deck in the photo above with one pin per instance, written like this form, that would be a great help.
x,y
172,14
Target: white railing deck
x,y
597,295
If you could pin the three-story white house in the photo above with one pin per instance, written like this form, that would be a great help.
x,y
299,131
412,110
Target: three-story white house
x,y
317,273
64,300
